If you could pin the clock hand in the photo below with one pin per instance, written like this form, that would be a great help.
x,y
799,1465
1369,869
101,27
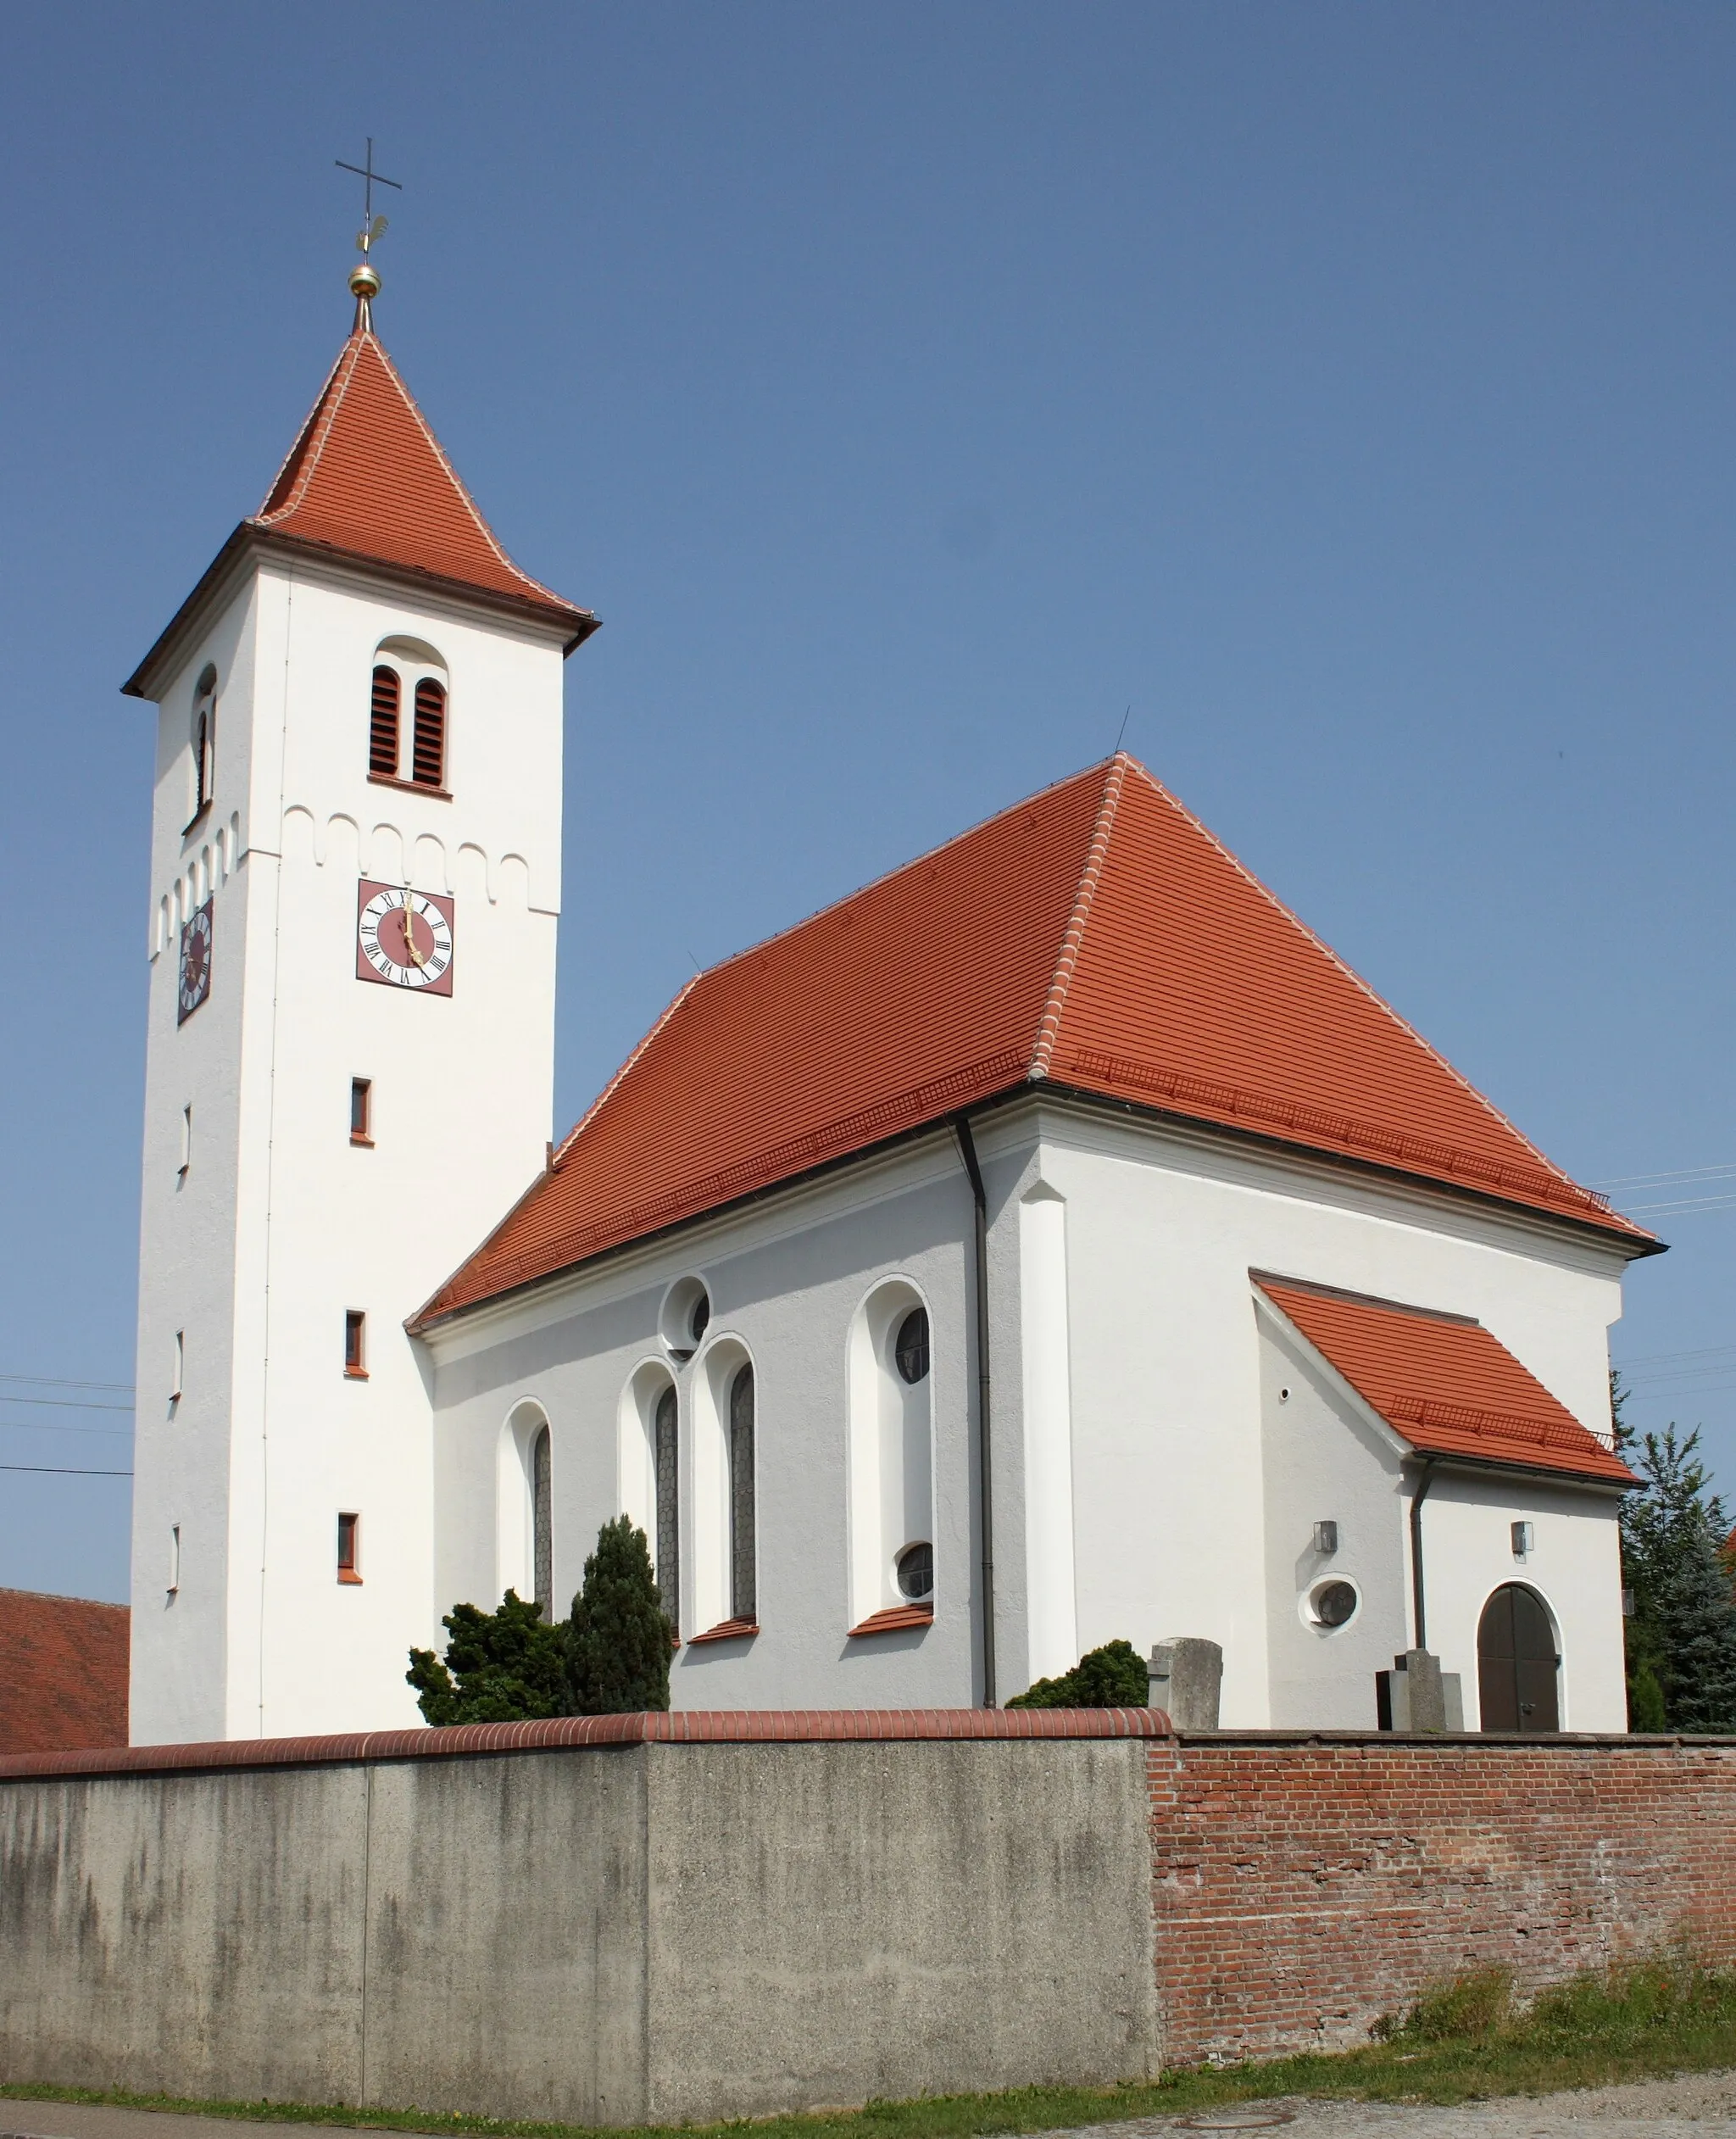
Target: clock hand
x,y
416,956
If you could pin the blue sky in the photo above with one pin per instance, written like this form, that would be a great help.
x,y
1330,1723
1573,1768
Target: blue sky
x,y
1344,388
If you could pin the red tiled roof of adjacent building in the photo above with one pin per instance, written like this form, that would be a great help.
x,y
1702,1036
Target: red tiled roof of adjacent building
x,y
1442,1383
1095,937
64,1668
367,480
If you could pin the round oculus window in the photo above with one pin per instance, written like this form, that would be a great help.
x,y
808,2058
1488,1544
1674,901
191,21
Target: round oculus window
x,y
910,1346
916,1572
1334,1604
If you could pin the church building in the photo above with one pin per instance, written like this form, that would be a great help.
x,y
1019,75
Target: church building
x,y
1053,1241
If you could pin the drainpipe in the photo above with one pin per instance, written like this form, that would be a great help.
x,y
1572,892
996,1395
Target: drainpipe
x,y
1419,1495
985,1476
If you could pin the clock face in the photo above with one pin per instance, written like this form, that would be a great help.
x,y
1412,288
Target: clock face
x,y
403,938
194,963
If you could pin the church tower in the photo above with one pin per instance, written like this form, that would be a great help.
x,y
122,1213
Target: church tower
x,y
355,865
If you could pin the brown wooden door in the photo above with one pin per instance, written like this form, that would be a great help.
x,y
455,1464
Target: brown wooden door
x,y
1517,1669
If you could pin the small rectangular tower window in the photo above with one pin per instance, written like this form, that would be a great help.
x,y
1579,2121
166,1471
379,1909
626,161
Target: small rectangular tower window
x,y
349,1537
173,1557
361,1110
177,1367
355,1364
186,1142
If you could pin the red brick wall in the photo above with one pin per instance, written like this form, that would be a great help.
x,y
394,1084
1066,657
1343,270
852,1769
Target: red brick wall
x,y
1303,1887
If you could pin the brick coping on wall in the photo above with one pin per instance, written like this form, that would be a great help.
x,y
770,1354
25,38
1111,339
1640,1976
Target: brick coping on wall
x,y
679,1727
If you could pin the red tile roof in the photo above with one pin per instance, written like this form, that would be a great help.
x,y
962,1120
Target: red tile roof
x,y
1443,1383
1095,937
367,479
63,1664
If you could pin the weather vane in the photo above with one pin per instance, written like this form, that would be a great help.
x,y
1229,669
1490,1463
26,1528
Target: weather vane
x,y
364,280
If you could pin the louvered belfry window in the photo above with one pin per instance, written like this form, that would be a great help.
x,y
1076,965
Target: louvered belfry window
x,y
428,754
382,726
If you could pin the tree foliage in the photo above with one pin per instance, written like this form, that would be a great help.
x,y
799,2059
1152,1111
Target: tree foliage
x,y
500,1667
608,1657
1681,1639
1115,1676
616,1643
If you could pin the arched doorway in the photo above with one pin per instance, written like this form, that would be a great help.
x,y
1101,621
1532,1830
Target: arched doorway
x,y
1516,1663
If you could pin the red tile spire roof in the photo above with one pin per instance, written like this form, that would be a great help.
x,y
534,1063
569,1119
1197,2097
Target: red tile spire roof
x,y
367,480
1443,1383
1095,938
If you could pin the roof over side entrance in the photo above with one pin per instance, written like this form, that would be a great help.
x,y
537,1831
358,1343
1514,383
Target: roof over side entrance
x,y
1095,938
1443,1383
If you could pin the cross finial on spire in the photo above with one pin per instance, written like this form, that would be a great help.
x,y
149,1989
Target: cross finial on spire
x,y
364,280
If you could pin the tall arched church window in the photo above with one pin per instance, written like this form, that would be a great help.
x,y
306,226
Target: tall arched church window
x,y
542,1522
669,1516
744,1602
428,750
891,1459
1518,1669
382,724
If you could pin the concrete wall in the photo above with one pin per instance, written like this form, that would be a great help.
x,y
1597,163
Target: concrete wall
x,y
669,1917
604,1935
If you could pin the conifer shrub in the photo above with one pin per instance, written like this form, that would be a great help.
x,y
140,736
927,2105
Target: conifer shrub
x,y
616,1642
1113,1676
500,1667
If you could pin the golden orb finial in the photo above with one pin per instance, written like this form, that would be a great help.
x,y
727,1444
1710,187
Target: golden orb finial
x,y
364,287
365,280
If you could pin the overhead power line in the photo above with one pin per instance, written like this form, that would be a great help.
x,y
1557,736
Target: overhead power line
x,y
61,1403
58,1470
1725,1169
51,1381
44,1426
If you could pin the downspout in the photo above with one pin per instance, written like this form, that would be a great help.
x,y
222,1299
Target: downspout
x,y
985,1475
1418,1496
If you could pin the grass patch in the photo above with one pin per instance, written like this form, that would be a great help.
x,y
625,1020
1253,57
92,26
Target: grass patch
x,y
1459,2041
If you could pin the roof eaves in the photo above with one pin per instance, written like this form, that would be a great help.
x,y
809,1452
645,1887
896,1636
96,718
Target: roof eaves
x,y
255,534
1619,1233
434,1315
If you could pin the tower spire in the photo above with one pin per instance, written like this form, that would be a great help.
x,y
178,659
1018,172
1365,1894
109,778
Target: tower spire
x,y
365,280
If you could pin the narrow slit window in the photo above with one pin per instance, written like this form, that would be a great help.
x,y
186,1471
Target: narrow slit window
x,y
382,726
204,742
542,1524
743,1588
361,1110
173,1557
669,1514
355,1326
349,1544
428,751
186,1141
177,1367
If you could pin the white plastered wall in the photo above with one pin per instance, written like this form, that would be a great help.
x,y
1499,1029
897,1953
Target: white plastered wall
x,y
1139,1491
462,1109
787,1282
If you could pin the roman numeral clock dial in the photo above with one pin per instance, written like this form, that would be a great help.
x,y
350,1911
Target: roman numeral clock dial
x,y
195,980
403,938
